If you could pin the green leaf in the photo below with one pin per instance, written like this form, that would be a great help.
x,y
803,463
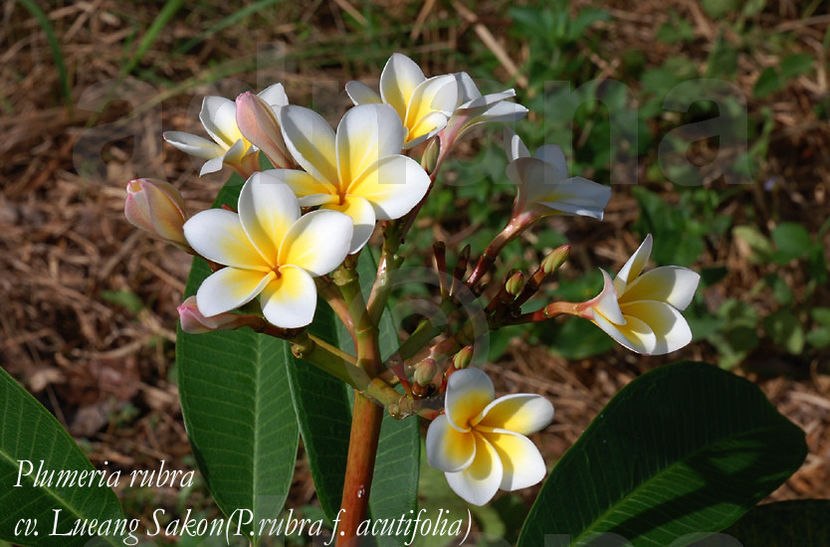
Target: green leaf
x,y
819,337
785,330
719,8
795,65
683,450
783,524
29,433
821,316
767,83
237,409
792,240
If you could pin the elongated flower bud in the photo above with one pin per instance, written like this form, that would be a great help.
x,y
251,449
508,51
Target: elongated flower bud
x,y
463,358
555,259
514,284
258,123
425,372
193,322
156,207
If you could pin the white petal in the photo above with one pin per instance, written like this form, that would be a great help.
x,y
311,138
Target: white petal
x,y
513,146
426,128
436,94
229,288
399,78
467,89
553,154
290,300
304,184
499,112
217,235
193,144
235,153
535,179
675,285
274,95
469,391
267,208
479,482
670,328
317,242
449,450
361,93
212,165
523,413
393,186
365,135
218,116
578,196
310,139
363,216
635,335
522,463
483,103
607,302
632,268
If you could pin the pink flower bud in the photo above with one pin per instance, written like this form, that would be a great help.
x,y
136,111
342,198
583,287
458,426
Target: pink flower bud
x,y
157,207
193,322
258,123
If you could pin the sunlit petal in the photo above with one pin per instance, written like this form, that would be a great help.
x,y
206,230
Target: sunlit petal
x,y
310,139
479,482
635,335
362,214
522,463
317,242
217,235
448,449
469,390
289,301
366,134
267,208
437,94
426,128
193,144
670,328
523,413
229,288
274,95
212,165
514,147
632,268
218,116
393,185
361,93
399,78
675,285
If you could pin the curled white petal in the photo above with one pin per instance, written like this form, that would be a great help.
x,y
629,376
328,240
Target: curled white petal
x,y
478,482
193,144
229,288
469,391
447,448
523,413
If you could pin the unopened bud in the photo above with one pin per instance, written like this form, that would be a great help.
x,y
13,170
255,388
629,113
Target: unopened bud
x,y
193,322
258,123
430,157
425,372
156,207
514,284
555,259
463,358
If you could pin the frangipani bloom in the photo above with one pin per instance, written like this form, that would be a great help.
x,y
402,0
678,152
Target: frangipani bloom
x,y
229,146
642,312
474,108
358,170
480,443
156,207
544,187
193,322
423,104
270,251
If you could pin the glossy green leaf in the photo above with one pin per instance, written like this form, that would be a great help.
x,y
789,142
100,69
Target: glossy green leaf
x,y
683,450
237,409
792,240
783,524
29,435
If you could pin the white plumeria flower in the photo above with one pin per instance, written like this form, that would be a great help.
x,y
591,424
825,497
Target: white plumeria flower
x,y
642,312
544,187
480,443
229,146
270,251
423,104
358,170
474,108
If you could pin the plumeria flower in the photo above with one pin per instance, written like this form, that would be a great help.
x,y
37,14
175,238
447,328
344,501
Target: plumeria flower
x,y
423,104
229,146
257,120
193,322
474,109
544,187
479,442
358,170
642,312
270,251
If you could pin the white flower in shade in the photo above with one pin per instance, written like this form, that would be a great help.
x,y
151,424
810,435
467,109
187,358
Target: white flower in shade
x,y
229,146
642,312
474,108
479,442
423,104
544,187
358,170
270,251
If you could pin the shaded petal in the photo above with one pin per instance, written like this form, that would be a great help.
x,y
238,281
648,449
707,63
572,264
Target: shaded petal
x,y
361,93
290,300
317,242
437,94
467,88
523,413
363,216
553,154
229,288
670,328
535,179
514,146
274,95
193,144
303,184
522,463
607,303
235,153
267,208
632,268
393,185
212,165
400,76
675,285
469,390
218,116
448,449
479,482
499,112
217,235
635,335
365,135
426,128
310,139
578,196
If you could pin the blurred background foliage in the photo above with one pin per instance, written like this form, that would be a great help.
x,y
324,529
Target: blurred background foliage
x,y
709,120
